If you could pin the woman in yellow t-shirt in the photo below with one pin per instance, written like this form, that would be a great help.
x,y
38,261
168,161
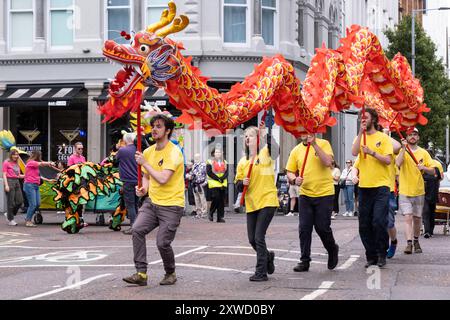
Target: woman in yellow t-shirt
x,y
261,199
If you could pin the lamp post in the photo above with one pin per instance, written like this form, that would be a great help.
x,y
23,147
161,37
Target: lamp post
x,y
413,34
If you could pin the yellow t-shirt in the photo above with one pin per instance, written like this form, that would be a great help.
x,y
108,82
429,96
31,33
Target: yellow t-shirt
x,y
392,173
169,158
318,181
262,191
372,172
438,165
411,179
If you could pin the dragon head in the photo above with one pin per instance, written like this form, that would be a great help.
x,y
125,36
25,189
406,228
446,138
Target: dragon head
x,y
149,59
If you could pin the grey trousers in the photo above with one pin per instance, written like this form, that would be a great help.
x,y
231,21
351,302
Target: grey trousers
x,y
151,216
14,197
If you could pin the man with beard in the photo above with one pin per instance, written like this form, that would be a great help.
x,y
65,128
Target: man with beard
x,y
316,197
164,181
412,187
374,181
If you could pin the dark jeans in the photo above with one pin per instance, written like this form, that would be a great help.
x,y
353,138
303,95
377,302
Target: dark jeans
x,y
151,216
217,202
337,190
34,198
14,197
257,224
315,212
130,199
373,220
428,216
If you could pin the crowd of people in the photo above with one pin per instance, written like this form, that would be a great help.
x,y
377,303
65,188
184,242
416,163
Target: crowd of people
x,y
383,169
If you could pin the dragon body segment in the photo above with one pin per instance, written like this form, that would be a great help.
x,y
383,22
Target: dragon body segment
x,y
356,73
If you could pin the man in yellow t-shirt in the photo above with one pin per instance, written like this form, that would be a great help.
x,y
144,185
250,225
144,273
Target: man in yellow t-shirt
x,y
412,187
316,197
163,180
374,181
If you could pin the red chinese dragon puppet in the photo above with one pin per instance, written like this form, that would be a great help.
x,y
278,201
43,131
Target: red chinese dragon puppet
x,y
357,73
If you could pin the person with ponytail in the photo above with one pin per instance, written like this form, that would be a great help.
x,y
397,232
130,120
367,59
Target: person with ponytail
x,y
261,199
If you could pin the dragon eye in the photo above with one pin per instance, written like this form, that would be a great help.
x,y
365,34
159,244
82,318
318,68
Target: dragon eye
x,y
144,49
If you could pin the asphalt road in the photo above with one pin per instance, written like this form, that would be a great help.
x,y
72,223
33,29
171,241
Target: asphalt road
x,y
214,261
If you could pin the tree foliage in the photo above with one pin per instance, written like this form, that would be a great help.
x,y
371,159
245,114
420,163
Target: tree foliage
x,y
431,72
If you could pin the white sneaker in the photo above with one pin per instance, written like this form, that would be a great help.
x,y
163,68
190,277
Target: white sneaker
x,y
350,214
345,214
12,223
290,214
6,216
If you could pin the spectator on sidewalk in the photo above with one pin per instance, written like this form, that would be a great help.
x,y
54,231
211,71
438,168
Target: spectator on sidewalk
x,y
348,188
11,176
198,184
336,173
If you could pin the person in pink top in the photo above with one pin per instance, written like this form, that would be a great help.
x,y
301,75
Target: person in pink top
x,y
31,184
77,156
11,176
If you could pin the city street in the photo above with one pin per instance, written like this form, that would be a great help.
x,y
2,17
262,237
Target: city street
x,y
214,261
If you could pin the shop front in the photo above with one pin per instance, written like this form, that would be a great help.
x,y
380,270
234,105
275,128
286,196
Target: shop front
x,y
48,117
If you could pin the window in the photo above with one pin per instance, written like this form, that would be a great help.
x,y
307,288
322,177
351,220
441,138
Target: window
x,y
316,34
61,23
330,40
301,38
235,21
154,10
21,24
269,10
119,19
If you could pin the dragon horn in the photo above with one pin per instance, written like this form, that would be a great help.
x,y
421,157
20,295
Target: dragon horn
x,y
167,17
178,24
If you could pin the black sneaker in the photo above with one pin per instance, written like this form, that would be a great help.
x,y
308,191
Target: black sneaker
x,y
427,235
381,261
371,262
221,221
303,266
270,264
333,258
258,277
210,218
136,279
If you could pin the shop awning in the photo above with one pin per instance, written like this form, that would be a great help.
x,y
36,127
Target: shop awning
x,y
52,95
152,94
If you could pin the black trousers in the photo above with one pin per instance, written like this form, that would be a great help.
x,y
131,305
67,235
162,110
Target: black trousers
x,y
428,216
373,220
315,212
217,202
257,224
337,190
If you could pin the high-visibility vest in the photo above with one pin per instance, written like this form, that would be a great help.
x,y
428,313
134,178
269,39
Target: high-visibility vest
x,y
214,183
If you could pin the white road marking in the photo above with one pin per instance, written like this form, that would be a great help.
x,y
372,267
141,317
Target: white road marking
x,y
89,247
323,288
182,254
13,234
98,265
280,250
348,263
212,268
252,255
67,265
75,285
